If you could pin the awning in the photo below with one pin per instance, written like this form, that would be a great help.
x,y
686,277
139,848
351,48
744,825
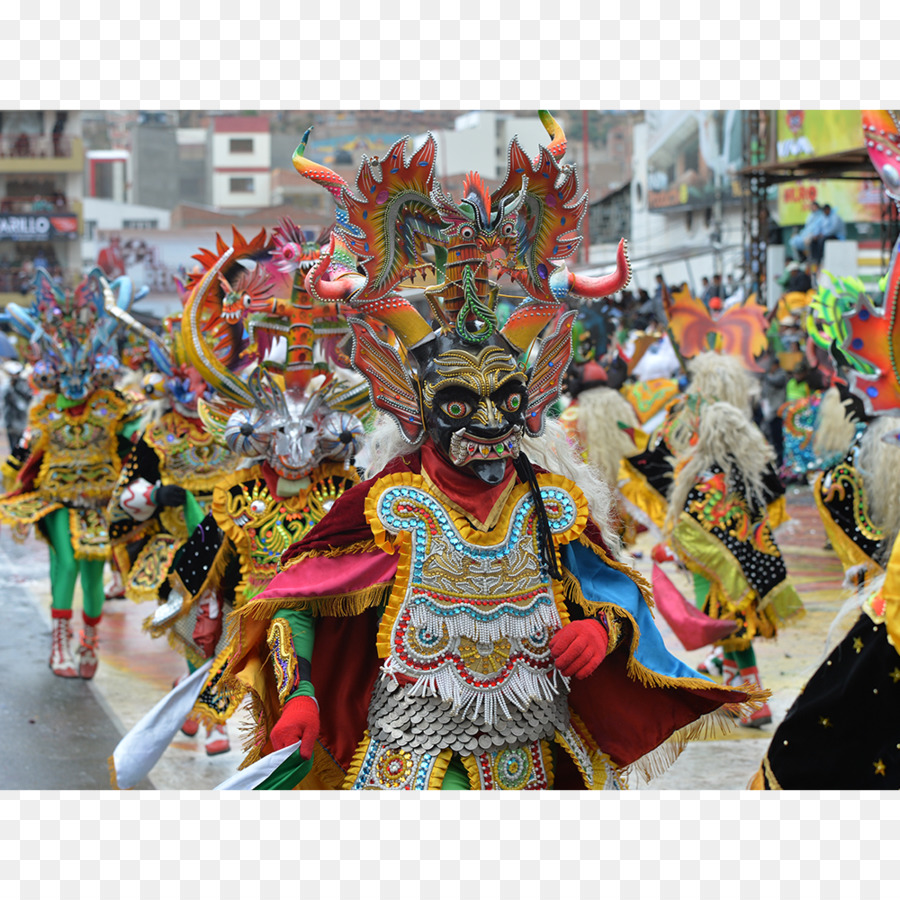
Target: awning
x,y
848,165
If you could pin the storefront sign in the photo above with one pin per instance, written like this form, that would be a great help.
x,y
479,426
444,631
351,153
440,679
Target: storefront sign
x,y
38,227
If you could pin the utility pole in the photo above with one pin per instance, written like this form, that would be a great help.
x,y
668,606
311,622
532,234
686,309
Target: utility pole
x,y
586,227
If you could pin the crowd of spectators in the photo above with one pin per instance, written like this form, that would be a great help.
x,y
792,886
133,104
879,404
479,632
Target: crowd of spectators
x,y
821,225
17,276
39,203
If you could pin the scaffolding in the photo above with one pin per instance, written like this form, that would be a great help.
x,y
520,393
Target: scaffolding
x,y
763,172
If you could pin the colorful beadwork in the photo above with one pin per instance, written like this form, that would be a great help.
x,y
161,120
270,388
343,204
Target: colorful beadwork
x,y
454,626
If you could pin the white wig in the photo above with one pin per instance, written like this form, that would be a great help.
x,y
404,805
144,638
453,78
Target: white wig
x,y
719,376
600,410
728,439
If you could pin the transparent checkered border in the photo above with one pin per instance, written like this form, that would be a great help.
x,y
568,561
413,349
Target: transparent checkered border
x,y
152,54
667,845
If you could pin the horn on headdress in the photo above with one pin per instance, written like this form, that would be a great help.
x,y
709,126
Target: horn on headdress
x,y
211,369
584,286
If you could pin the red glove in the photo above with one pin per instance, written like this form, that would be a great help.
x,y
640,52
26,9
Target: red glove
x,y
579,647
299,722
662,553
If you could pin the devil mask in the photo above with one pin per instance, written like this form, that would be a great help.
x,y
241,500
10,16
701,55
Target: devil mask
x,y
463,382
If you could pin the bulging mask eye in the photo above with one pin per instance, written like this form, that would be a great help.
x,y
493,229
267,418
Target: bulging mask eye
x,y
513,403
509,229
456,409
467,232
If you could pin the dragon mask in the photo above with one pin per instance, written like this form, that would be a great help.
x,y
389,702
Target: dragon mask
x,y
460,378
270,355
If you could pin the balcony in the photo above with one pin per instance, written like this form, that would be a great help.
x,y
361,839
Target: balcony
x,y
41,153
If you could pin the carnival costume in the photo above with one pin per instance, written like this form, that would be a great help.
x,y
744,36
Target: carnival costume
x,y
721,531
713,377
164,490
79,434
295,423
460,619
858,499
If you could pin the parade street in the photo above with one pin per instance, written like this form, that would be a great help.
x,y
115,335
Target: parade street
x,y
58,733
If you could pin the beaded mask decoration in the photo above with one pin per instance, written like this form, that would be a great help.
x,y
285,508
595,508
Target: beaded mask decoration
x,y
464,382
269,353
72,332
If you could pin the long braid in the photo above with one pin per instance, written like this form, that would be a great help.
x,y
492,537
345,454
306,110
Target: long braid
x,y
525,471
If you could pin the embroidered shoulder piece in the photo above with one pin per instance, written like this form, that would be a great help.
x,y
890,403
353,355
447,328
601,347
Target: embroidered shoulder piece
x,y
188,454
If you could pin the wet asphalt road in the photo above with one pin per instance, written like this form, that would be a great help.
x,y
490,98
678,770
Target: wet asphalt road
x,y
54,732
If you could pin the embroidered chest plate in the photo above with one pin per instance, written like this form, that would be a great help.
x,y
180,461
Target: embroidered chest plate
x,y
262,526
80,463
472,613
188,454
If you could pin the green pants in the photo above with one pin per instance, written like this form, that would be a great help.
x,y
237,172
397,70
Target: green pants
x,y
65,569
745,659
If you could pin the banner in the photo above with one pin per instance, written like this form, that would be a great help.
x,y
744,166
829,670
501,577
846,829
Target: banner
x,y
803,134
38,227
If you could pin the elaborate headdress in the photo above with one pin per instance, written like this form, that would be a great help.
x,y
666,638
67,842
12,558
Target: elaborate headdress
x,y
464,381
248,298
737,331
73,331
870,342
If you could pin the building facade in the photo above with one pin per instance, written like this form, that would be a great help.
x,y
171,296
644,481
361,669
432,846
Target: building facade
x,y
41,190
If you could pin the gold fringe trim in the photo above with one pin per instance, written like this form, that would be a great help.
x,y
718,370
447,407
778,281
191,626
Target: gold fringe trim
x,y
351,603
642,583
325,773
330,553
712,725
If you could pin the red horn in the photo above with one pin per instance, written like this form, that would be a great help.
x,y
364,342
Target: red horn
x,y
605,285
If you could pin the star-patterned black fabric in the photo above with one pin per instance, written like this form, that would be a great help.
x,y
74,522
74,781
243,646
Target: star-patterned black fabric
x,y
197,555
843,731
763,571
846,504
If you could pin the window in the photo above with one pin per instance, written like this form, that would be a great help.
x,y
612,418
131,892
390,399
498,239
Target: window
x,y
240,185
139,224
240,145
